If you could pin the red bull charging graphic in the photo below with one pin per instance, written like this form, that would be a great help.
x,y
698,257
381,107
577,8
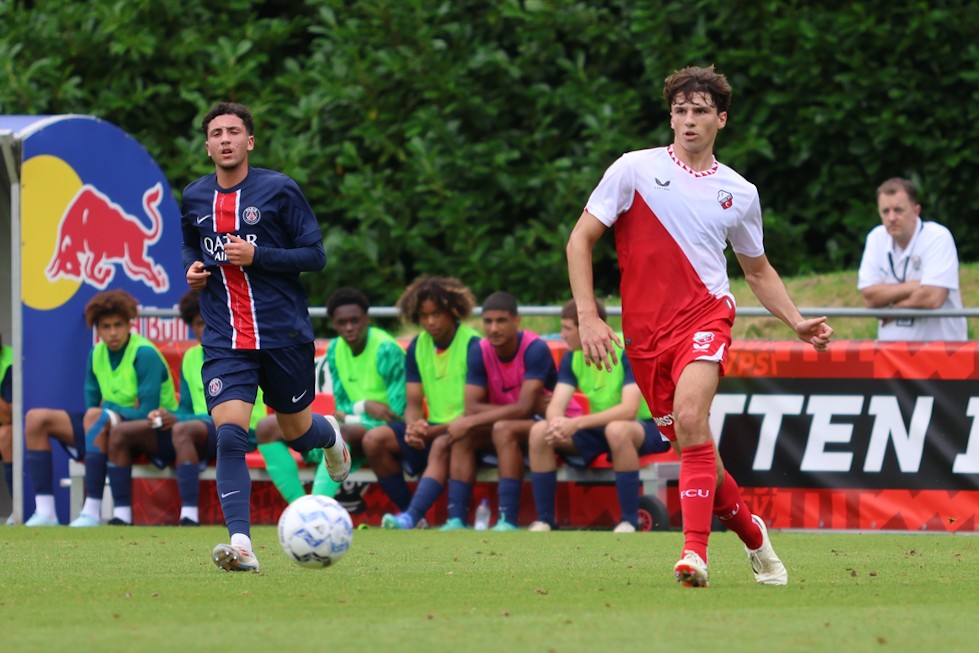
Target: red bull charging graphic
x,y
96,235
96,214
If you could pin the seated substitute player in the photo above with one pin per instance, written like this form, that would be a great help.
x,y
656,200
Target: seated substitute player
x,y
184,438
509,378
126,378
6,419
248,233
367,367
435,371
611,427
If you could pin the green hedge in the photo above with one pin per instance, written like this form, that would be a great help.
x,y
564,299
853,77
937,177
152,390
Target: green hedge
x,y
464,137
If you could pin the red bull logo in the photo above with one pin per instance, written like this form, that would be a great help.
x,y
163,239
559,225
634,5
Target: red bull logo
x,y
96,237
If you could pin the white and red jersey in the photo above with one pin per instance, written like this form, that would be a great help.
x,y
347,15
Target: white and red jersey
x,y
672,225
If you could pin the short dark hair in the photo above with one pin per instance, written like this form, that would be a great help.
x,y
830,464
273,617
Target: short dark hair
x,y
111,302
345,297
694,79
501,300
225,109
570,311
895,184
190,306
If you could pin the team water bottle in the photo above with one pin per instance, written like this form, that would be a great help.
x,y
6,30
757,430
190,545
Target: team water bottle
x,y
482,516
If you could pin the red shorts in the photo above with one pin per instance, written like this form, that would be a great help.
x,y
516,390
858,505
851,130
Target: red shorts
x,y
656,377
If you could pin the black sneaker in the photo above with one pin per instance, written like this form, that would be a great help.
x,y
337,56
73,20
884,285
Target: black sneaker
x,y
115,521
187,521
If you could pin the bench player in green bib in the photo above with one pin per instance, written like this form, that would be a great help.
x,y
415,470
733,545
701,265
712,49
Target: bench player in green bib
x,y
126,378
619,425
367,370
435,371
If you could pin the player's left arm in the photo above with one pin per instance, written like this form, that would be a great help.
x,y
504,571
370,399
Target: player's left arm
x,y
771,292
305,253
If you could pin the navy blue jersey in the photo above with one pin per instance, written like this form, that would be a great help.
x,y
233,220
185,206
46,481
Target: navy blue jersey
x,y
263,305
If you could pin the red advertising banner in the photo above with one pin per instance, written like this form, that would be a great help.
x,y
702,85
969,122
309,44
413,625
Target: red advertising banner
x,y
865,436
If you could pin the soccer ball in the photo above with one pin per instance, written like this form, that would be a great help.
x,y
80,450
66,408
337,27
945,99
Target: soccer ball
x,y
315,531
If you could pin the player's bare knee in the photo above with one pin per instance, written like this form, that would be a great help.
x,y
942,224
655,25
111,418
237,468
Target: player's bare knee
x,y
35,428
503,434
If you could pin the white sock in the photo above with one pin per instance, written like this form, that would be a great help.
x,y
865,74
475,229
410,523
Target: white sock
x,y
242,540
190,512
125,513
92,507
44,505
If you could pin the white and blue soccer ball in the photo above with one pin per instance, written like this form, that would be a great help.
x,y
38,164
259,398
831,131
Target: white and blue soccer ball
x,y
315,531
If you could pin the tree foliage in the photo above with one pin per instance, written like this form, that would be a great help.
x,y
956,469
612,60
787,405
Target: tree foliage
x,y
464,137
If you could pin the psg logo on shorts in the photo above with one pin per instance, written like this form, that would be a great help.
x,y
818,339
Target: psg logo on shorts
x,y
251,215
215,387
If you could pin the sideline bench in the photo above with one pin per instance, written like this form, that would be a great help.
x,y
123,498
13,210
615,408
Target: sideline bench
x,y
656,470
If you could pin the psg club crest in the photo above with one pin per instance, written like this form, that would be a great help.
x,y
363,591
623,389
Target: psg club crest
x,y
214,387
725,199
251,215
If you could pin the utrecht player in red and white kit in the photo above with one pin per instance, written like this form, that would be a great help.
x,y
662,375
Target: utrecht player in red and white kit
x,y
674,210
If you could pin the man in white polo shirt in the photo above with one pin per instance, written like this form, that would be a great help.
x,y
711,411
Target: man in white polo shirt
x,y
910,263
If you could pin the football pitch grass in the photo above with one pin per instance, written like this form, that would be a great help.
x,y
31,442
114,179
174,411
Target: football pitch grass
x,y
155,589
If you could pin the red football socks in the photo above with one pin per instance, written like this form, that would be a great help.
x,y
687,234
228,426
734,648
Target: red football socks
x,y
733,512
698,478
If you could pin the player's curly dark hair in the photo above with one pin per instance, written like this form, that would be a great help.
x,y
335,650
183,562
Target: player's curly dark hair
x,y
110,302
694,79
570,310
347,297
190,306
448,293
225,109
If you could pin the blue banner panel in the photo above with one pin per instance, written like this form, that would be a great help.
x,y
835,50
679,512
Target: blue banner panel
x,y
97,214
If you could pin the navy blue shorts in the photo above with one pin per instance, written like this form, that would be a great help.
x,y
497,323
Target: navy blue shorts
x,y
286,375
413,461
591,444
77,452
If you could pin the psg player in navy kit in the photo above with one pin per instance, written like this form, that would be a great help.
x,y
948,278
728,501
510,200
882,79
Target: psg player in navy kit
x,y
247,234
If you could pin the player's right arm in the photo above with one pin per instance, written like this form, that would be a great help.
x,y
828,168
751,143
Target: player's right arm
x,y
596,336
190,252
93,391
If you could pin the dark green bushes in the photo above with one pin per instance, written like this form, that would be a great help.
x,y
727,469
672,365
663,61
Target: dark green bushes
x,y
464,137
